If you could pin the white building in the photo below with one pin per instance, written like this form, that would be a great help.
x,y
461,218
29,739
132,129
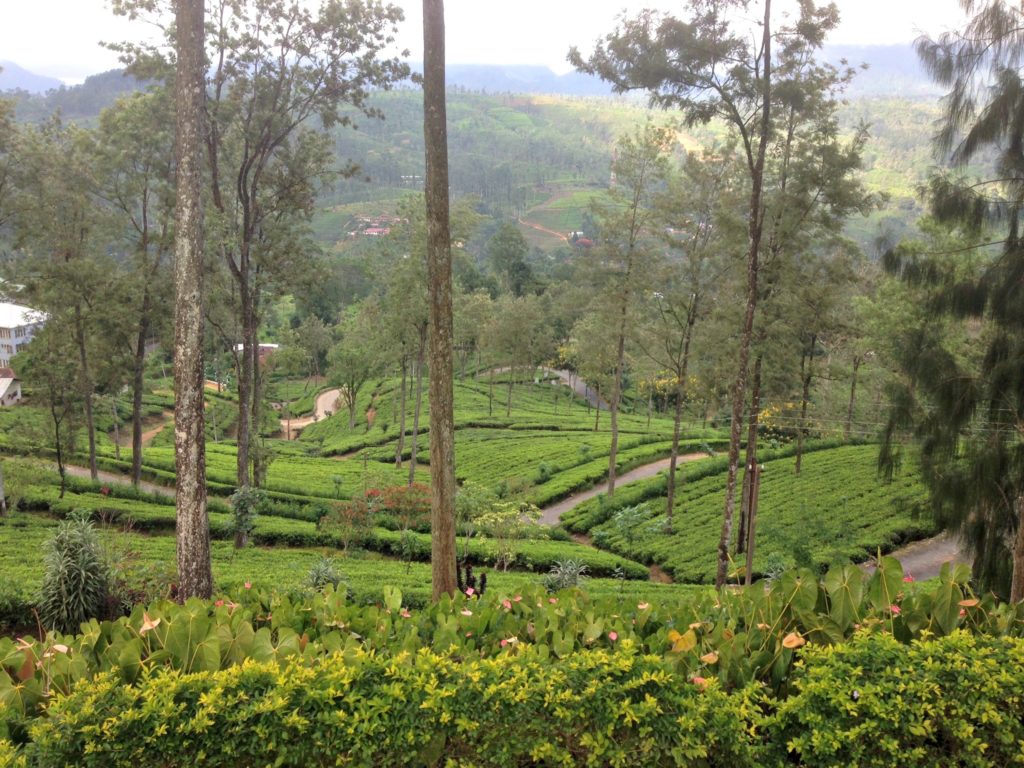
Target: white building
x,y
18,325
10,387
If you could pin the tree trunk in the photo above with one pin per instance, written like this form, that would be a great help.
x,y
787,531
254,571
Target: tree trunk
x,y
755,227
650,406
246,366
439,280
508,399
490,393
597,409
138,382
60,450
848,426
753,421
3,493
804,396
416,412
193,527
117,429
257,449
401,425
677,424
87,391
1017,579
613,406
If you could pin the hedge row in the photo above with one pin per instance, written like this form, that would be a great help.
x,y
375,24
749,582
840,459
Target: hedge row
x,y
953,701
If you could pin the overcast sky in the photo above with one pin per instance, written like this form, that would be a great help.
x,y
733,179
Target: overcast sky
x,y
60,38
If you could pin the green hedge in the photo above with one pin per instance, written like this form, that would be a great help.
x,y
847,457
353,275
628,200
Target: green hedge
x,y
954,701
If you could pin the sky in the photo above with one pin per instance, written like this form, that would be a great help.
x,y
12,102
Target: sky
x,y
60,38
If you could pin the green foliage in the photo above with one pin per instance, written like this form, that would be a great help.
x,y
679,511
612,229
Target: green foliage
x,y
928,672
854,512
246,505
76,581
324,572
565,574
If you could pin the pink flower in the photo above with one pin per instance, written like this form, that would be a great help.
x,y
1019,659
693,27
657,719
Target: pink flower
x,y
248,585
469,634
469,591
507,604
504,642
405,614
613,636
700,682
643,606
908,579
895,609
467,612
963,612
552,600
218,604
517,598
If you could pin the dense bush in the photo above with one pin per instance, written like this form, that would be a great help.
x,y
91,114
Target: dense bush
x,y
873,702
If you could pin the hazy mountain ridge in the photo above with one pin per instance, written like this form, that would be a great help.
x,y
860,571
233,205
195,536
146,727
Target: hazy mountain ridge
x,y
16,78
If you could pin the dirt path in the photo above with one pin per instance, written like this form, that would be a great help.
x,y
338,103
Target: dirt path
x,y
924,559
156,426
543,229
326,403
552,514
569,379
117,479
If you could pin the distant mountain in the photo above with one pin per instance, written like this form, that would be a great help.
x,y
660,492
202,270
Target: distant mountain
x,y
78,101
14,77
520,78
894,71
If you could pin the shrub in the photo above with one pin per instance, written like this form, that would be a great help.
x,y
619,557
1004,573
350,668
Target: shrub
x,y
246,505
76,579
323,573
565,574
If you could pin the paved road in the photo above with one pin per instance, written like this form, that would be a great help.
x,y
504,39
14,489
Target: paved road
x,y
924,559
550,515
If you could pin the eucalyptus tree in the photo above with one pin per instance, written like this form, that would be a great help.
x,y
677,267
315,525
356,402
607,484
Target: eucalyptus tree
x,y
356,358
61,230
195,577
700,214
439,288
135,148
626,254
709,68
280,76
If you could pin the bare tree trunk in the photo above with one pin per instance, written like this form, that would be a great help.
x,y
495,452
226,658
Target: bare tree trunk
x,y
60,450
117,429
245,378
1017,579
804,396
490,393
848,426
439,271
401,424
677,426
613,406
257,452
597,409
416,412
650,406
753,421
508,399
193,526
755,226
138,374
3,493
87,391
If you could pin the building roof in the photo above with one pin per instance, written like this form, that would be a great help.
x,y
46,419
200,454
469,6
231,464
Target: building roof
x,y
7,373
15,315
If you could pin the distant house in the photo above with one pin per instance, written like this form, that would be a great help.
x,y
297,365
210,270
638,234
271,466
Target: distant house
x,y
18,325
10,388
265,350
377,231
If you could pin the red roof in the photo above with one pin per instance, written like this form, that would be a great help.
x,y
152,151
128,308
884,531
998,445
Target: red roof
x,y
7,373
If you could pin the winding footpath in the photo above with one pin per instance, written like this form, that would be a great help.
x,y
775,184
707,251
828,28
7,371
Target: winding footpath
x,y
550,515
326,403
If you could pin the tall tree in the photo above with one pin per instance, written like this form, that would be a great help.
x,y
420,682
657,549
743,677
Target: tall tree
x,y
966,411
439,282
625,253
195,578
708,69
276,69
